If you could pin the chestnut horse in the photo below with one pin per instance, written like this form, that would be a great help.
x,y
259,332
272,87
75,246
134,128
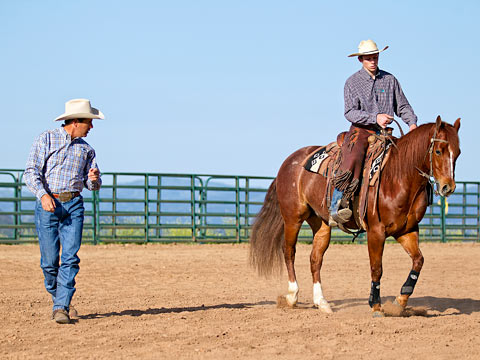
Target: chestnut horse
x,y
427,153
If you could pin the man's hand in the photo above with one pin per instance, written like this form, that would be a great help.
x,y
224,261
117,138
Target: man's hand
x,y
383,120
48,203
413,126
93,174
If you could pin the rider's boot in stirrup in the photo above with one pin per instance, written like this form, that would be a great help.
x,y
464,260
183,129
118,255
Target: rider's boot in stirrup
x,y
338,215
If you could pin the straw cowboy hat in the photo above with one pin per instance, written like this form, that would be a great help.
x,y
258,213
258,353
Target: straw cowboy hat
x,y
367,47
80,109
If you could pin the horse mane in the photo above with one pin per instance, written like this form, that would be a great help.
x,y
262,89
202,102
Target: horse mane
x,y
411,151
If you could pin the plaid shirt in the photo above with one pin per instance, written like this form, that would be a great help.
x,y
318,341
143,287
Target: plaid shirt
x,y
58,164
366,97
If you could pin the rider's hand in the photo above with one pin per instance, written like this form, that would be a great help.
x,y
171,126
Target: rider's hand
x,y
413,126
383,120
48,204
93,174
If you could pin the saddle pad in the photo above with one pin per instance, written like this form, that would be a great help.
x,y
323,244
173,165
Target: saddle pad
x,y
314,161
319,159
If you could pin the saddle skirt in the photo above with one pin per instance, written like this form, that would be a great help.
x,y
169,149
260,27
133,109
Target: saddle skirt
x,y
325,161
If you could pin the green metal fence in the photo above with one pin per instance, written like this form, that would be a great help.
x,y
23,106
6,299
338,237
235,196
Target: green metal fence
x,y
150,207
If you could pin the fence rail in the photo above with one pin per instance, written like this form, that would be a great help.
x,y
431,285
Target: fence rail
x,y
152,207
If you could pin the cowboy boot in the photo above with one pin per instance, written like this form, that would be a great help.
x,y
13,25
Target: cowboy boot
x,y
338,215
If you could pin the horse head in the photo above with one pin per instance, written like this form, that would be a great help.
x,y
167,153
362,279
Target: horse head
x,y
443,153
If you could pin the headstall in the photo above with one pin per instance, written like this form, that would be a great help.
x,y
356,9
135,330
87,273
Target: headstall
x,y
430,177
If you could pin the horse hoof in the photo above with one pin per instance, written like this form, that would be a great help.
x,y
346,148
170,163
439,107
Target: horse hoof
x,y
396,303
291,300
378,314
325,307
282,302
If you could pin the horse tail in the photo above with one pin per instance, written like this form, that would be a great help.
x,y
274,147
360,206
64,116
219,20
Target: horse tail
x,y
266,240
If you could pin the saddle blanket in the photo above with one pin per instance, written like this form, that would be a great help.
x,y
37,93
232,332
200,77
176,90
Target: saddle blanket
x,y
314,162
320,160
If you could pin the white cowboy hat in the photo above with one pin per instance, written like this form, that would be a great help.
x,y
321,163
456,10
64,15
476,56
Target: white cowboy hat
x,y
80,109
367,47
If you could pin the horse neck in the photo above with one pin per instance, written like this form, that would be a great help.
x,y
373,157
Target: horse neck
x,y
410,155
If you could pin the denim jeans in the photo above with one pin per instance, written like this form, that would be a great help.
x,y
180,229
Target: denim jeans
x,y
62,228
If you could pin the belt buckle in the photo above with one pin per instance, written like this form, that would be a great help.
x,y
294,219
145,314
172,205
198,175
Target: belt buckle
x,y
65,196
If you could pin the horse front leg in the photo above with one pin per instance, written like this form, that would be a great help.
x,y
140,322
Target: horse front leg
x,y
321,240
410,243
291,233
376,244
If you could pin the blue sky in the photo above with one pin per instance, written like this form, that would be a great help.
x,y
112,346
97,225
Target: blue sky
x,y
226,87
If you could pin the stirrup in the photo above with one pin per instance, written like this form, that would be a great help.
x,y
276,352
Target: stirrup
x,y
342,216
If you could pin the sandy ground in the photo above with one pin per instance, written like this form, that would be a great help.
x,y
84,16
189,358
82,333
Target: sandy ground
x,y
204,302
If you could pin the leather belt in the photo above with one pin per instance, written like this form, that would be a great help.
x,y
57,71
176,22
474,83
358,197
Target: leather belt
x,y
66,196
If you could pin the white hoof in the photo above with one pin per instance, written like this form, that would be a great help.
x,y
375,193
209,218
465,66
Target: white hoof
x,y
291,299
319,300
292,296
324,306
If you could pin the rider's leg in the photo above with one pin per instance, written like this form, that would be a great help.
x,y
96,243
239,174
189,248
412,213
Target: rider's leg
x,y
347,178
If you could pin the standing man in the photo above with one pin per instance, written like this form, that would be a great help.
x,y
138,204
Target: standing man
x,y
59,166
372,96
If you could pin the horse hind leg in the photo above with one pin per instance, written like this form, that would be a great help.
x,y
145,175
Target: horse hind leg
x,y
321,241
291,234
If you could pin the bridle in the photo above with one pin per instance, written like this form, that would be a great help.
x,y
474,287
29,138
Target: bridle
x,y
430,178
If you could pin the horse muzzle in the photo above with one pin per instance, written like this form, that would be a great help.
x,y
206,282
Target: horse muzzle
x,y
446,188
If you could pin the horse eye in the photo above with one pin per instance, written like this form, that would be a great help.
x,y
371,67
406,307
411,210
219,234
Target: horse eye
x,y
438,152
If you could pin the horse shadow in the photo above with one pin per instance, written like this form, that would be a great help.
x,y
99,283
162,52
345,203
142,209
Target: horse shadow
x,y
158,311
436,306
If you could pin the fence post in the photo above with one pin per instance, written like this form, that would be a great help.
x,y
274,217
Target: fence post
x,y
442,219
193,208
94,217
237,207
147,207
247,200
478,212
17,205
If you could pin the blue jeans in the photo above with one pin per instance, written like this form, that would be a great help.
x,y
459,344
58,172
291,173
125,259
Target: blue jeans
x,y
63,227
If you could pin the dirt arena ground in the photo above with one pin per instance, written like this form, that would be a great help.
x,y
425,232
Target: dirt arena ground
x,y
204,302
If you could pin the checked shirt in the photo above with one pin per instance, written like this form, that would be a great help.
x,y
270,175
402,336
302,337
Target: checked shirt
x,y
366,97
59,164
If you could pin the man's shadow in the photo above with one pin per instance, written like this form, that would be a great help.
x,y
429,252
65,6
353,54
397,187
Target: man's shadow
x,y
158,311
464,306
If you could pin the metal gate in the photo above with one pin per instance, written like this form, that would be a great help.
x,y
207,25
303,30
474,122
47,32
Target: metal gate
x,y
153,207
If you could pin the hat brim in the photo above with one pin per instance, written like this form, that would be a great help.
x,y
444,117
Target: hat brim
x,y
95,114
369,52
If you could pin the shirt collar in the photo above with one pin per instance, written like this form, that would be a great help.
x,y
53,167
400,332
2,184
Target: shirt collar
x,y
65,134
365,75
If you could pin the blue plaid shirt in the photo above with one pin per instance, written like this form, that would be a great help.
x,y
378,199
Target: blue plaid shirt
x,y
58,164
365,98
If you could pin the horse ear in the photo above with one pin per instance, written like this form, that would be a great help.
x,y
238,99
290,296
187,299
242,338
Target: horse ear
x,y
438,122
457,124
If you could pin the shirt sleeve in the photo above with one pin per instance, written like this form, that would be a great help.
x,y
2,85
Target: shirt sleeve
x,y
353,112
33,175
91,164
402,107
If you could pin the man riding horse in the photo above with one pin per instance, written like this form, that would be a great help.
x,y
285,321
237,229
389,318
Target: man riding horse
x,y
372,96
